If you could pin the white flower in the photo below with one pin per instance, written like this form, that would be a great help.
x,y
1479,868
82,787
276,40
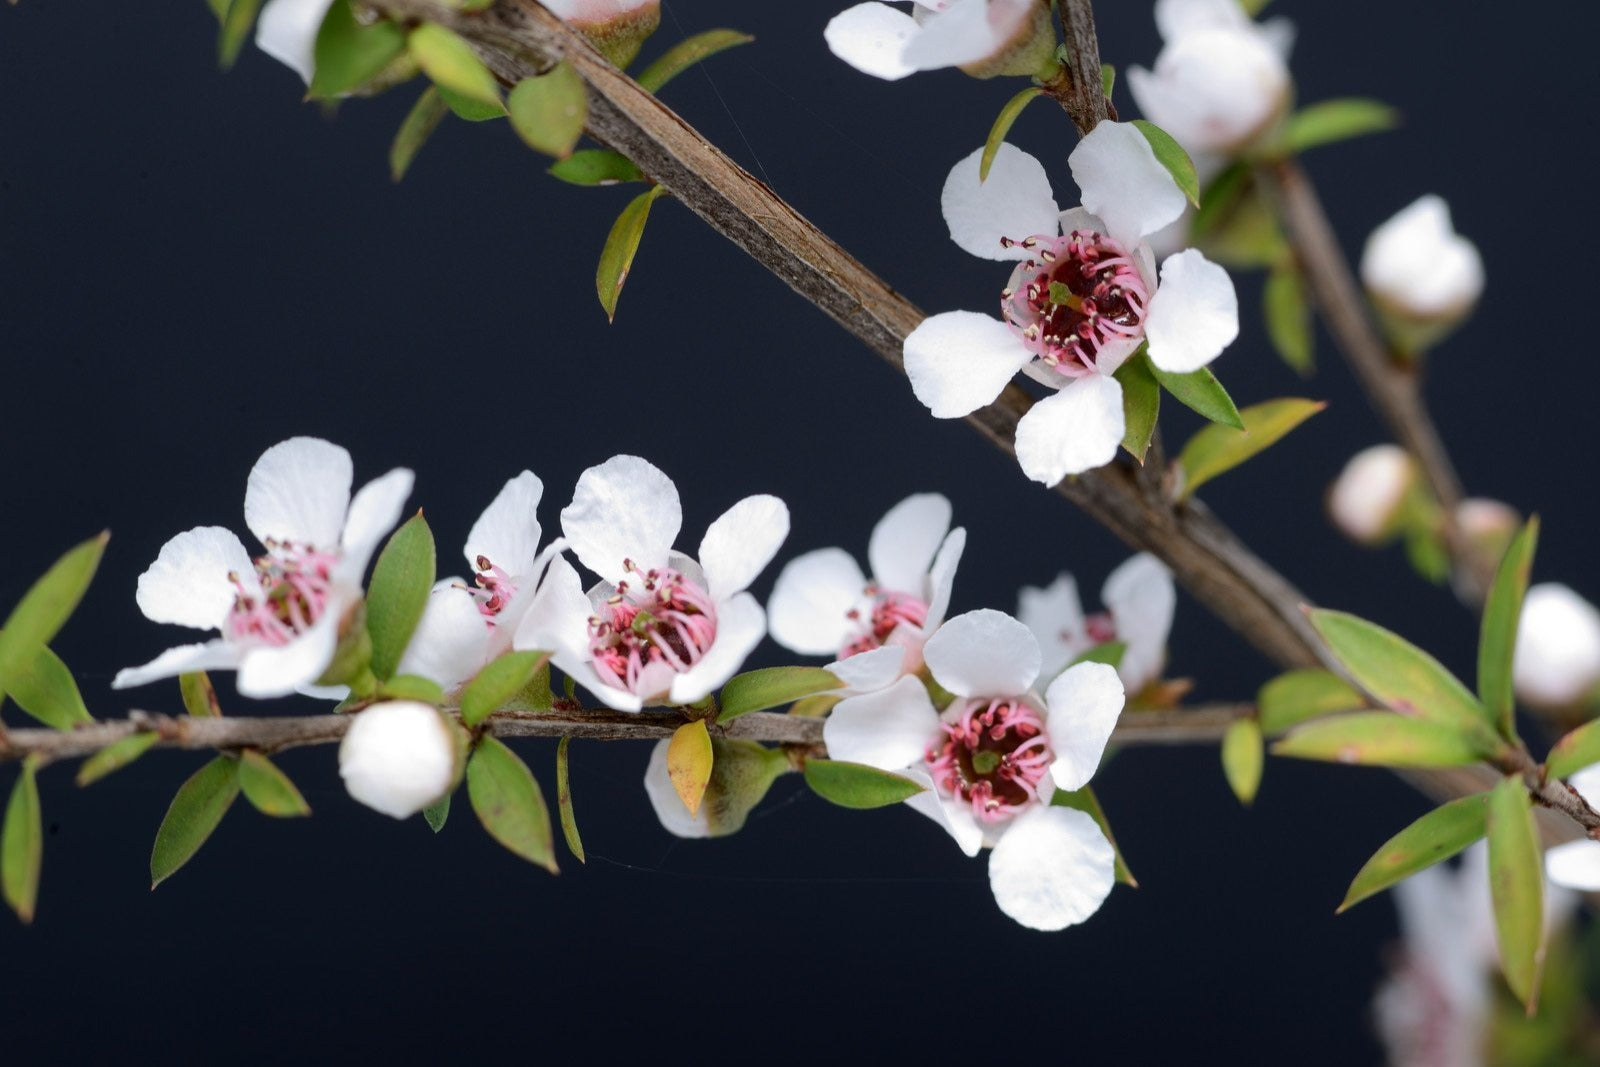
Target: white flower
x,y
464,627
888,43
280,614
1417,267
660,627
823,605
1139,599
1220,80
1557,659
1366,500
398,757
993,759
1083,299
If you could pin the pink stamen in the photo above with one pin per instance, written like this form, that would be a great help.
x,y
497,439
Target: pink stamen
x,y
1104,300
296,584
991,753
888,613
648,632
494,592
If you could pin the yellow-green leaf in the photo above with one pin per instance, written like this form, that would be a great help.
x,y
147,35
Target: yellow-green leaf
x,y
855,785
45,689
686,53
1170,154
501,679
594,167
1002,126
452,64
508,803
348,54
47,605
772,687
465,107
1218,449
1141,404
689,763
1575,751
235,30
436,813
1382,738
1242,759
22,844
1516,884
1336,120
1502,611
199,806
115,756
418,125
402,580
548,112
1298,696
1288,316
569,818
199,695
1199,391
268,788
622,244
1436,836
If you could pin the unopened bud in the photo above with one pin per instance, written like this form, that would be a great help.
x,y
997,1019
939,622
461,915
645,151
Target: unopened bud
x,y
1216,86
1422,276
741,774
1557,661
1368,498
1488,525
1022,40
398,757
618,28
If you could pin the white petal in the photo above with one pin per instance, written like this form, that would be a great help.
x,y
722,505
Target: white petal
x,y
188,584
373,513
1054,616
581,670
942,576
1123,183
1077,430
958,361
1193,315
557,619
215,655
952,814
287,31
1176,19
742,541
983,653
1587,783
666,802
1557,659
872,38
813,593
451,642
507,533
398,757
904,541
1418,262
965,32
1141,599
1052,868
1084,701
277,671
623,509
741,624
889,729
872,670
1575,865
298,491
1015,201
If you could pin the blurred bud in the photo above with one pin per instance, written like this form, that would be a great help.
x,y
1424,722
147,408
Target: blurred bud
x,y
741,774
1367,500
618,28
1488,525
398,757
1023,41
982,37
1557,661
1422,276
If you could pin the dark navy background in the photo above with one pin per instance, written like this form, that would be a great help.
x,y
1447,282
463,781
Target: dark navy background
x,y
194,266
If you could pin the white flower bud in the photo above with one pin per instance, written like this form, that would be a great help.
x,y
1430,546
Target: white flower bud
x,y
618,28
1488,524
1557,661
1215,89
1422,275
398,757
1366,499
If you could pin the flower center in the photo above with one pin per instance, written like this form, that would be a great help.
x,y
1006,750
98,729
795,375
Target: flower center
x,y
992,754
1074,296
494,592
296,583
653,627
1100,628
889,610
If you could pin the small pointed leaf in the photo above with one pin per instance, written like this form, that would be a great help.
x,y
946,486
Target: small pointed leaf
x,y
268,788
1384,739
235,30
569,818
1108,79
1201,392
1399,674
1170,154
1002,126
1242,759
465,107
1141,404
45,689
452,64
1218,449
1516,883
772,687
22,844
686,53
548,112
1436,836
419,124
1288,315
622,244
116,756
596,166
349,54
201,803
508,803
1108,652
1336,120
855,785
500,680
1300,696
1575,751
689,762
199,695
401,582
436,813
1502,611
412,687
47,605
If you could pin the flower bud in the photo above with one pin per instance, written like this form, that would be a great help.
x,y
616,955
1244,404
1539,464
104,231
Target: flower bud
x,y
398,757
1367,499
1216,88
1488,525
618,28
1422,276
1557,661
741,774
1024,40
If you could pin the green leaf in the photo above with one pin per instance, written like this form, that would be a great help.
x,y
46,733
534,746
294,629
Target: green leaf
x,y
569,818
219,8
686,53
1218,449
349,54
501,679
235,30
199,695
536,695
1085,801
1108,79
1299,696
509,804
1221,198
772,687
1141,404
1516,883
412,687
1502,610
1427,554
855,785
401,582
689,763
452,64
45,689
268,788
1108,652
47,605
116,756
1002,126
201,803
419,124
1575,751
548,112
1336,120
1199,391
437,812
596,166
1170,154
22,844
1399,674
1436,836
1383,739
1242,759
465,107
622,243
1253,7
1288,315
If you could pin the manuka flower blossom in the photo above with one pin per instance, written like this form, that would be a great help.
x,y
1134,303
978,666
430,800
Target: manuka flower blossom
x,y
823,605
994,758
398,757
1368,498
1139,599
983,37
1556,664
1422,276
280,615
1083,299
465,626
660,627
